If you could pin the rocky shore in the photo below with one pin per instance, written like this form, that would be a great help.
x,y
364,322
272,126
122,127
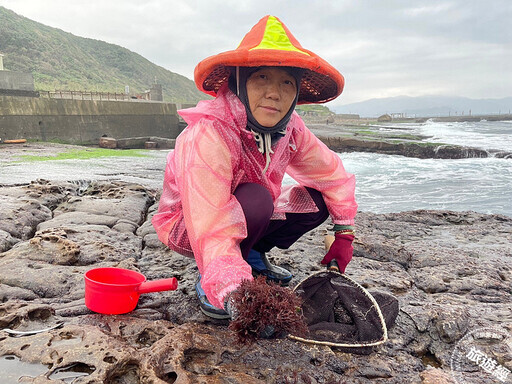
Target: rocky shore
x,y
369,138
450,271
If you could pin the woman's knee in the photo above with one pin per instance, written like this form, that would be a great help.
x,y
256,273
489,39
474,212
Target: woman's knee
x,y
256,201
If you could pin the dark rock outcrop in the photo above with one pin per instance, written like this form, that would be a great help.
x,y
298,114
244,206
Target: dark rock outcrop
x,y
137,143
409,149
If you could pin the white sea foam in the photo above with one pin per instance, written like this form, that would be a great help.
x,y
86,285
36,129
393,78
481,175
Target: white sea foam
x,y
486,135
396,183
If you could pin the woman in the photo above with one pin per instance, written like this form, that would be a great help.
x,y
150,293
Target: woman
x,y
222,201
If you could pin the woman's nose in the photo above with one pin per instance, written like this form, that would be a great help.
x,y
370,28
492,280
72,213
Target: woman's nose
x,y
273,90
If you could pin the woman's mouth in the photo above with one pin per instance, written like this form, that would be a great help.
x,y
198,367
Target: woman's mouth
x,y
269,108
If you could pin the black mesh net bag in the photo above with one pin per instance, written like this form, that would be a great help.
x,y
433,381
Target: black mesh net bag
x,y
340,313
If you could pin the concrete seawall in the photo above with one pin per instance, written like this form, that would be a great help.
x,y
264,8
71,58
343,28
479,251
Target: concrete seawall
x,y
84,121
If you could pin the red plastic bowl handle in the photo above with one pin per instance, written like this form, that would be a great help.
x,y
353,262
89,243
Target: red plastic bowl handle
x,y
158,285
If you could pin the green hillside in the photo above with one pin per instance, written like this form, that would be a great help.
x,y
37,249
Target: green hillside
x,y
63,61
316,109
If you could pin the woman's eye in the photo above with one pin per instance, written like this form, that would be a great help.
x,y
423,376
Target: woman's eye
x,y
289,84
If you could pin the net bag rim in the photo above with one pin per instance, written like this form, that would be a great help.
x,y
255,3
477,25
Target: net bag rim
x,y
384,328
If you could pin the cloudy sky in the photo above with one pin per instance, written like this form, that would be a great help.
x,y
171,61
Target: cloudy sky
x,y
383,48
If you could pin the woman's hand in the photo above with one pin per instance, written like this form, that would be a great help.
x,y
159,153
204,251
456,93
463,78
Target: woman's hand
x,y
340,252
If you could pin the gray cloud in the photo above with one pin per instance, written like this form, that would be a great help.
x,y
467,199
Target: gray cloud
x,y
383,48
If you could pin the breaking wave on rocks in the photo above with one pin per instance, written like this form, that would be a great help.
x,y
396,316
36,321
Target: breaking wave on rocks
x,y
488,135
395,183
388,183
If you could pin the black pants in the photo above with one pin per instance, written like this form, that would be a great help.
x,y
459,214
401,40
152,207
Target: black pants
x,y
262,233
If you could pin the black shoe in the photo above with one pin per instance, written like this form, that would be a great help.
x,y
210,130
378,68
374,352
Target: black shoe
x,y
206,307
261,266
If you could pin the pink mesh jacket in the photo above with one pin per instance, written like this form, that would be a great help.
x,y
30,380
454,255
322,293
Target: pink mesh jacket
x,y
198,214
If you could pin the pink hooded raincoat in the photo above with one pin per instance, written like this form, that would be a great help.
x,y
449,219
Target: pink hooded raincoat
x,y
198,214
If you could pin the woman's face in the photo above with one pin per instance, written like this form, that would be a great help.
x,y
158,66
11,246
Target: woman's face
x,y
271,92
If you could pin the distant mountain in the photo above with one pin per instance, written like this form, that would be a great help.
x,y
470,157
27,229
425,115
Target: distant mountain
x,y
427,106
61,60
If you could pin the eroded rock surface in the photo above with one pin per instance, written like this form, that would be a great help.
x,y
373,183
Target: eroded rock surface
x,y
450,271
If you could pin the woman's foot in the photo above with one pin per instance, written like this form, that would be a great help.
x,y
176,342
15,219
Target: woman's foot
x,y
261,266
206,307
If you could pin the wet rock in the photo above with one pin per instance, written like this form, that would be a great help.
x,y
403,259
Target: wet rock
x,y
449,270
77,245
20,216
54,247
78,218
9,292
42,279
128,202
503,155
406,148
379,370
151,240
150,145
80,348
132,142
138,142
148,233
163,143
436,376
107,142
458,152
123,225
71,308
51,194
451,324
23,316
147,228
372,274
6,241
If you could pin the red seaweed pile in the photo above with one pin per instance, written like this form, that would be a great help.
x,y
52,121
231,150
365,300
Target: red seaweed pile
x,y
260,305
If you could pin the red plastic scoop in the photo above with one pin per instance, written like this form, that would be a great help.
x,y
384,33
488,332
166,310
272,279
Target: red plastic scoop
x,y
113,291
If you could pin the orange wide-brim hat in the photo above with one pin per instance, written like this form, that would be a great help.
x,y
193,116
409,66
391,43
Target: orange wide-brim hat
x,y
270,43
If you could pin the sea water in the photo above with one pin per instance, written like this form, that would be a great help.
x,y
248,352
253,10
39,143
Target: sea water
x,y
384,183
388,183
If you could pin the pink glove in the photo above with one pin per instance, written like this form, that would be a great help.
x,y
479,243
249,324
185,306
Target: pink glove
x,y
340,251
